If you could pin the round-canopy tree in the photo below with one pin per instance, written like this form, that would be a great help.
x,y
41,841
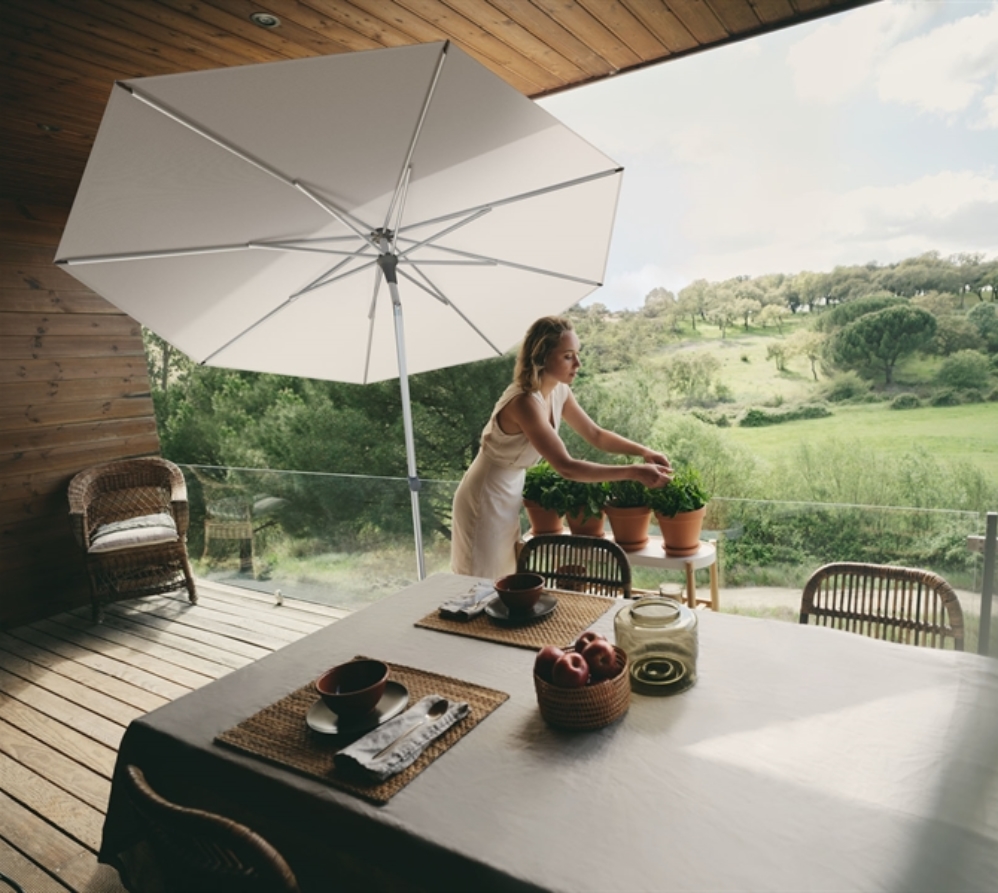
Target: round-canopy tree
x,y
880,339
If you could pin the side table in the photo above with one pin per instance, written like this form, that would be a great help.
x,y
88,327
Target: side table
x,y
653,555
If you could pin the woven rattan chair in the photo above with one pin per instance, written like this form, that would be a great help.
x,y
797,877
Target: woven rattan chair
x,y
578,563
901,604
130,518
197,850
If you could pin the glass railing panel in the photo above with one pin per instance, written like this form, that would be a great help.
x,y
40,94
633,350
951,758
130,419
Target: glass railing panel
x,y
346,540
340,540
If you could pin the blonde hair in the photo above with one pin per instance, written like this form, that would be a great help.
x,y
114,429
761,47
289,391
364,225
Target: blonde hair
x,y
541,338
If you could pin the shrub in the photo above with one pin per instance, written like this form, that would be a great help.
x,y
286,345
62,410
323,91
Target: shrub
x,y
993,396
757,418
965,369
945,397
972,395
846,386
905,401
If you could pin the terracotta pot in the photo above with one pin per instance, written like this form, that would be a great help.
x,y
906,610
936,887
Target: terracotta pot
x,y
589,527
630,526
681,533
542,520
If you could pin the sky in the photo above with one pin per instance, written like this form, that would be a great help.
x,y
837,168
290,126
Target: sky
x,y
871,135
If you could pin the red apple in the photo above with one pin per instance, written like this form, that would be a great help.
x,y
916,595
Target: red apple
x,y
601,659
570,671
587,637
545,661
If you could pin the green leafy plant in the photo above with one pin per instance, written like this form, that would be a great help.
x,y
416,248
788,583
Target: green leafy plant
x,y
627,494
684,493
543,485
586,499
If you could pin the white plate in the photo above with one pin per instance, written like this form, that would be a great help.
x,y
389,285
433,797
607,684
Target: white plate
x,y
322,720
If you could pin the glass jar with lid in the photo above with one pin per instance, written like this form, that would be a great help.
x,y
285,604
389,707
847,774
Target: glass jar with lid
x,y
659,636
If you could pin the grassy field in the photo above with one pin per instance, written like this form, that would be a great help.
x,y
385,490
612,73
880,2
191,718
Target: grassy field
x,y
952,433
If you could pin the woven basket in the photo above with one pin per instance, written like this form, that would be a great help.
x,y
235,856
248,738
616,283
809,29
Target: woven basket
x,y
588,707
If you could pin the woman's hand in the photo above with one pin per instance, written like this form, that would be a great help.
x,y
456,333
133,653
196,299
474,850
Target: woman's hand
x,y
652,475
653,458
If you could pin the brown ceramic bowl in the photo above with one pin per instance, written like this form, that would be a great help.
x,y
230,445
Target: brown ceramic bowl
x,y
353,688
520,592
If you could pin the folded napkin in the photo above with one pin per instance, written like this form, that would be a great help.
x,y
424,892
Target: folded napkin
x,y
469,605
362,757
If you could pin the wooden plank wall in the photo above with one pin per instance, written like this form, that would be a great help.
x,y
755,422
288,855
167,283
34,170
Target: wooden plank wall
x,y
74,391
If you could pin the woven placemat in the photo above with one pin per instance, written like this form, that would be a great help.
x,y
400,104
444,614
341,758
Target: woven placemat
x,y
278,733
575,613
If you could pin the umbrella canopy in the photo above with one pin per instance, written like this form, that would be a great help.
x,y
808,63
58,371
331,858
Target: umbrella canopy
x,y
268,217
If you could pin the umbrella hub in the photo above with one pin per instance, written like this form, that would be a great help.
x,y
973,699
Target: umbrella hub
x,y
388,261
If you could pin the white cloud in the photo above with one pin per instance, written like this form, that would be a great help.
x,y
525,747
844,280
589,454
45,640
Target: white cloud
x,y
943,70
629,289
952,211
989,117
838,57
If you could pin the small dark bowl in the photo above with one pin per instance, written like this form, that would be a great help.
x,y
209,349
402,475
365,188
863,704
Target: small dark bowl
x,y
520,592
353,688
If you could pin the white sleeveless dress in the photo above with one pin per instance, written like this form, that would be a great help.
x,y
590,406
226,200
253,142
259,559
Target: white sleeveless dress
x,y
486,517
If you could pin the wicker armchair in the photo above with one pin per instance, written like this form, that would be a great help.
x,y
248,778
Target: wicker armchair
x,y
198,850
130,517
901,604
578,563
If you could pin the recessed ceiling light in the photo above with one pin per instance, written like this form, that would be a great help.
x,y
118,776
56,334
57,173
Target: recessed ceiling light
x,y
265,20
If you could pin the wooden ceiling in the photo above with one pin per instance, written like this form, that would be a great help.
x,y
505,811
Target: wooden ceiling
x,y
61,57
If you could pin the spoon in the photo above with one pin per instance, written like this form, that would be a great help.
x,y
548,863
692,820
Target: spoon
x,y
437,709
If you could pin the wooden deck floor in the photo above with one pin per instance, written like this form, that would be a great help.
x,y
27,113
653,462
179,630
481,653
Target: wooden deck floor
x,y
68,689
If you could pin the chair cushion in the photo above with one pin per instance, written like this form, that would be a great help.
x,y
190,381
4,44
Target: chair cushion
x,y
145,530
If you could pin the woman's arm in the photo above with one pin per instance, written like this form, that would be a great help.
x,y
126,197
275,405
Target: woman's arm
x,y
527,414
607,441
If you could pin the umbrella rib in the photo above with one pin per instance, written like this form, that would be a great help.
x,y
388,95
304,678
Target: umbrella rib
x,y
431,239
277,246
154,255
509,263
173,115
344,217
370,328
440,296
323,281
523,196
419,127
202,132
405,194
283,306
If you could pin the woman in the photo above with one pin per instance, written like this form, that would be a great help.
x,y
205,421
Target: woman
x,y
523,429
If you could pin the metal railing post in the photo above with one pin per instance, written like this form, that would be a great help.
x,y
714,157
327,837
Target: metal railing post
x,y
988,585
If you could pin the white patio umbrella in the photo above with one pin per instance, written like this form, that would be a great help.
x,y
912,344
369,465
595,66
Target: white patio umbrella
x,y
250,216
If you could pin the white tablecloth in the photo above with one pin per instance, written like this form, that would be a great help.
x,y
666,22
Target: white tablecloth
x,y
803,759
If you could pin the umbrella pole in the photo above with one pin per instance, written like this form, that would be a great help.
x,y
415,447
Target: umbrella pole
x,y
387,262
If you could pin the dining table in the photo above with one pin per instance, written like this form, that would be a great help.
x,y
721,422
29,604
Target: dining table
x,y
803,759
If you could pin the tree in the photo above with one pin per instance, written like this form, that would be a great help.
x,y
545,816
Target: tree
x,y
746,308
984,318
722,315
772,313
880,339
810,344
694,300
779,353
691,374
